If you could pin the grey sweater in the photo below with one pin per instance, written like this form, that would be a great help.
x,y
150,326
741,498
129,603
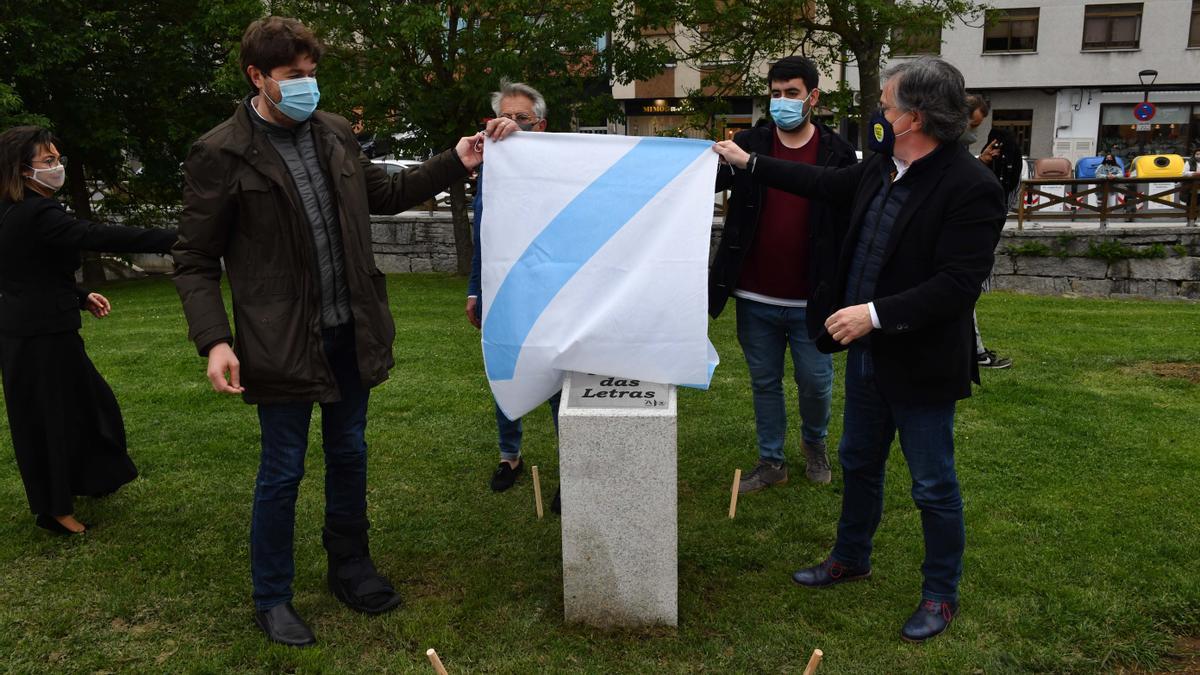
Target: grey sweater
x,y
299,153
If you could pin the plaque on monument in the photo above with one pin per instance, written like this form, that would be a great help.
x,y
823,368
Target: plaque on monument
x,y
619,502
599,391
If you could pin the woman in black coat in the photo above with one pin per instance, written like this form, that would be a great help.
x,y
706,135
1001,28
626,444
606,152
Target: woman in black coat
x,y
67,430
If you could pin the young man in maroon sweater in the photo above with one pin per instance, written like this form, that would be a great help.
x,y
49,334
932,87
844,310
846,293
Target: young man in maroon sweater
x,y
776,255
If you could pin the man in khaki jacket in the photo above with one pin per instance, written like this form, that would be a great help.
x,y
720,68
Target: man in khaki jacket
x,y
283,194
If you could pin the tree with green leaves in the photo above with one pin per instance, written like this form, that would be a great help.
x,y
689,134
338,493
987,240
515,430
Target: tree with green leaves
x,y
12,110
737,36
423,70
123,84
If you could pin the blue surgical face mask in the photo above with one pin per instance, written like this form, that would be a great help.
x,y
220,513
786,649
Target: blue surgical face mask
x,y
789,113
297,98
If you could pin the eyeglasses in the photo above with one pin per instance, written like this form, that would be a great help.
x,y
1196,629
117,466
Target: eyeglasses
x,y
52,162
520,118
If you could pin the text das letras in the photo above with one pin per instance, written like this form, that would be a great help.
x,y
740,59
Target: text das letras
x,y
588,392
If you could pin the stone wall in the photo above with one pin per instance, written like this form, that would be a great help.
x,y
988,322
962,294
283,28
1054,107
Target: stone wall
x,y
1054,262
414,242
1145,262
1148,262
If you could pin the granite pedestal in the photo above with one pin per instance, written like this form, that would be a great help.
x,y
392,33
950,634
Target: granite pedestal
x,y
617,447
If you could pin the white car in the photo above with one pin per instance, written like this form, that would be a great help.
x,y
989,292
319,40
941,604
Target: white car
x,y
394,166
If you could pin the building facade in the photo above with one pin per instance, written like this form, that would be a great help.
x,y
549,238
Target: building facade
x,y
1062,75
659,106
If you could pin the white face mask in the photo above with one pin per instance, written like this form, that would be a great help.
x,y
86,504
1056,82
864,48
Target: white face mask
x,y
53,178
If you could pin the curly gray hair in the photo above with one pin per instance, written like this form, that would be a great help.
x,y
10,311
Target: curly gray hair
x,y
931,86
519,89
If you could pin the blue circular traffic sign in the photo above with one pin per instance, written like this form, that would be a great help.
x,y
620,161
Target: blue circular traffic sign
x,y
1144,112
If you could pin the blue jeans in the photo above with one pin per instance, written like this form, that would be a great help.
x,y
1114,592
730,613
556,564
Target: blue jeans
x,y
284,442
510,430
765,332
927,440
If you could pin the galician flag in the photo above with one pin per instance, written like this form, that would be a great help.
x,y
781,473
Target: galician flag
x,y
595,259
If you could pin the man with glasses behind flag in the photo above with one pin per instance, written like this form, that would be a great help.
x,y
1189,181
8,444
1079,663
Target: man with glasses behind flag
x,y
524,105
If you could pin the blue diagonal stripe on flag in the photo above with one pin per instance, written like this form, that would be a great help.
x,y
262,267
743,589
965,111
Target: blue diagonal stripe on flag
x,y
572,237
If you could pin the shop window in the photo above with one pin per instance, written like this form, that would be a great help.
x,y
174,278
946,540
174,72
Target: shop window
x,y
1112,26
1171,131
1194,130
1010,30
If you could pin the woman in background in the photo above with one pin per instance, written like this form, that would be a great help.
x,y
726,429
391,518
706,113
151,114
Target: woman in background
x,y
67,430
1109,168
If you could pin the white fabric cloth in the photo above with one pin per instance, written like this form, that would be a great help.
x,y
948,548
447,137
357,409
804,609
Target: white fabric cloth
x,y
594,259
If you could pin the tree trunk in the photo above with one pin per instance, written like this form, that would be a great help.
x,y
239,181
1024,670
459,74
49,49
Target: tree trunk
x,y
463,243
81,204
868,90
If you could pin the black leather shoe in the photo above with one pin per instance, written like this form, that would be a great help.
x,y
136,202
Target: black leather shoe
x,y
282,624
505,475
931,619
828,573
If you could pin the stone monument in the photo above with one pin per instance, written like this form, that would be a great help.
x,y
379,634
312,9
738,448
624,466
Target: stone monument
x,y
617,449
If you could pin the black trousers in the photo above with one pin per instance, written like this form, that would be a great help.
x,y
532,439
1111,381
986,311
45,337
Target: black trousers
x,y
67,431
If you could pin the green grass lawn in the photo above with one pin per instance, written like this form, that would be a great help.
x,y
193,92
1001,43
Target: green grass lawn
x,y
1080,470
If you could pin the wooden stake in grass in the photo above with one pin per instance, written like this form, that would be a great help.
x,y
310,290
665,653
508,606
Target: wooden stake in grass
x,y
813,662
537,492
737,479
436,662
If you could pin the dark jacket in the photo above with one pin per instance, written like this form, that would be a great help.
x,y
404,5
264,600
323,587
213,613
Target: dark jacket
x,y
39,253
938,256
1007,165
241,205
742,216
475,280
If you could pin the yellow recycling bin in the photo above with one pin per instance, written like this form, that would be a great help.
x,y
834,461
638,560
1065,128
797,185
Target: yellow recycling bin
x,y
1158,166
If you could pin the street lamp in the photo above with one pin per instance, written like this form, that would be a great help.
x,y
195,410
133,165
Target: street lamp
x,y
1147,76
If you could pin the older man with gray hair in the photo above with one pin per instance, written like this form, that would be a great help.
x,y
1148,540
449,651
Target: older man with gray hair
x,y
926,217
524,105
